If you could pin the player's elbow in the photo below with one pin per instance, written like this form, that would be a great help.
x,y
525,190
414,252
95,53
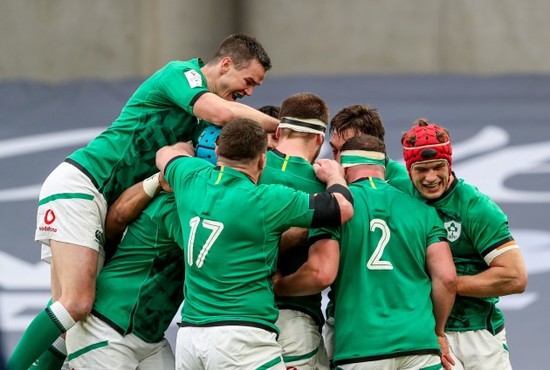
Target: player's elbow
x,y
519,282
514,278
160,158
324,277
346,210
450,281
115,223
323,281
223,116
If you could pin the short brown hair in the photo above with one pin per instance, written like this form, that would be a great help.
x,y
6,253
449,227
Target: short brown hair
x,y
362,119
270,110
242,139
365,142
242,49
305,105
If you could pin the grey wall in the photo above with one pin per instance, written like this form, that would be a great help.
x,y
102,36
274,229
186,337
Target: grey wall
x,y
54,40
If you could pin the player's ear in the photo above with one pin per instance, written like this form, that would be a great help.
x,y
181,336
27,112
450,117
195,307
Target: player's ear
x,y
261,162
320,139
225,64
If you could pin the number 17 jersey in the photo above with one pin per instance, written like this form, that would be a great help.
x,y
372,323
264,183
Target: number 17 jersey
x,y
231,230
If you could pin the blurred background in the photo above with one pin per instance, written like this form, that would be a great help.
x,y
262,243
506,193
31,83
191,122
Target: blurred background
x,y
479,68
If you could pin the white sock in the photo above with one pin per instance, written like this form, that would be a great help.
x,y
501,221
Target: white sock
x,y
62,315
59,345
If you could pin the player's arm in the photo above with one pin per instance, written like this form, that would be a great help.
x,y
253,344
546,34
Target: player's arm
x,y
334,206
212,108
440,265
506,275
169,152
129,205
316,274
293,237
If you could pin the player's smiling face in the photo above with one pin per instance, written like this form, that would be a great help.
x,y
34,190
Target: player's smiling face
x,y
430,178
235,84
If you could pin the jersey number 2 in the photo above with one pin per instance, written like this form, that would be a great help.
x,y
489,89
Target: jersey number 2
x,y
375,261
215,228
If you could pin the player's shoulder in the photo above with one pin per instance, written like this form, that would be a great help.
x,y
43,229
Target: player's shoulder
x,y
475,204
468,197
404,200
178,69
182,64
275,190
188,164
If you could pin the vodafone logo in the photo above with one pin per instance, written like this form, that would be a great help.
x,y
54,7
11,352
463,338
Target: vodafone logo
x,y
49,217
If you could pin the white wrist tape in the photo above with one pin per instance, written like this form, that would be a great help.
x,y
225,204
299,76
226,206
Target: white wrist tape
x,y
151,185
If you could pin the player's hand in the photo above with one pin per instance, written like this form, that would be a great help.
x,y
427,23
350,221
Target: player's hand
x,y
186,148
164,184
446,358
276,277
327,169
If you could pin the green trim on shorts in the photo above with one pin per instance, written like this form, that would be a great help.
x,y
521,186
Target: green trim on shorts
x,y
300,357
86,349
271,363
505,347
65,196
433,367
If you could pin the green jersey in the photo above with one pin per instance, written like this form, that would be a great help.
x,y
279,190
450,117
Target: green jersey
x,y
397,176
383,306
141,287
475,226
232,229
296,173
159,113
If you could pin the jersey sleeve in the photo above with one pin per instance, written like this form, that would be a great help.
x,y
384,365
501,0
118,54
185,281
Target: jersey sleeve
x,y
180,167
183,85
488,227
437,232
169,218
398,177
287,207
332,233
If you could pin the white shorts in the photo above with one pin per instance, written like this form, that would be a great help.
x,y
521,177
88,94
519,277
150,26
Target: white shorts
x,y
328,334
303,345
71,210
92,344
424,362
479,350
227,347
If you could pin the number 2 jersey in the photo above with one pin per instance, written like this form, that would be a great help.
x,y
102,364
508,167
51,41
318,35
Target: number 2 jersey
x,y
383,306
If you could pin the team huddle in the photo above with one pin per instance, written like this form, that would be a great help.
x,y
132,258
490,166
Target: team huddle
x,y
192,197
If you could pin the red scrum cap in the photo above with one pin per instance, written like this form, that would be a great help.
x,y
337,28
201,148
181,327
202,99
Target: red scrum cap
x,y
425,142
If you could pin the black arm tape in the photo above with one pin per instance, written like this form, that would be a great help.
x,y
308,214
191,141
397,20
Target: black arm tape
x,y
173,159
311,240
326,210
337,188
